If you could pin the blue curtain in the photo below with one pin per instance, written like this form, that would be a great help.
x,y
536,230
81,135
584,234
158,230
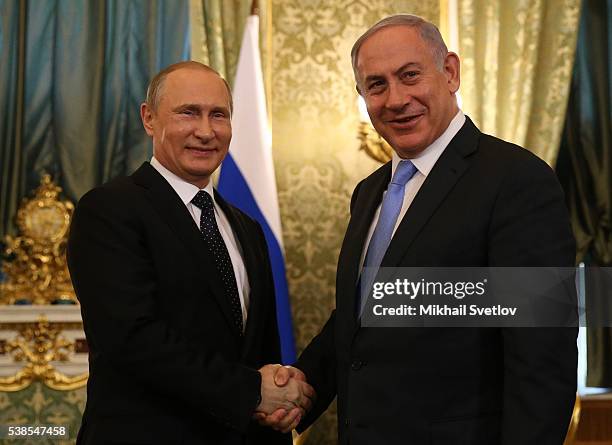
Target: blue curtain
x,y
72,78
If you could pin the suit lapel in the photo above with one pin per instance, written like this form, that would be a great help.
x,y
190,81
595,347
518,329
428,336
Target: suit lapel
x,y
446,172
172,210
367,201
365,208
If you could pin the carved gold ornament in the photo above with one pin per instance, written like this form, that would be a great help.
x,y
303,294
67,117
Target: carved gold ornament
x,y
373,144
35,261
38,345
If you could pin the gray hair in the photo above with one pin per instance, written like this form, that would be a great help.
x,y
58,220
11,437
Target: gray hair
x,y
428,32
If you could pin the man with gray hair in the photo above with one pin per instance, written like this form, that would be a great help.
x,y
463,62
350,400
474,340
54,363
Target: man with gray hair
x,y
450,197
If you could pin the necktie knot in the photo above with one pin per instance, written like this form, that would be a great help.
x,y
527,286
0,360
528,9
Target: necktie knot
x,y
202,200
403,173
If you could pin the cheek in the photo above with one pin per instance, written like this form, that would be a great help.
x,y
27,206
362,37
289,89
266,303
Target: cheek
x,y
177,132
223,131
374,106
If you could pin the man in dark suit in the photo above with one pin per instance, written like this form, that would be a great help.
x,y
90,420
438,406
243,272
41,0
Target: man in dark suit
x,y
175,287
451,197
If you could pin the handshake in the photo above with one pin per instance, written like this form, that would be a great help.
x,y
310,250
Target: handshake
x,y
285,397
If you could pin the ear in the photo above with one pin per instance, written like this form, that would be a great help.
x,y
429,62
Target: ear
x,y
452,71
146,114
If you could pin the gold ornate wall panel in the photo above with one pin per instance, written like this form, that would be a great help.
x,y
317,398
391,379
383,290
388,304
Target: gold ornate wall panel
x,y
315,122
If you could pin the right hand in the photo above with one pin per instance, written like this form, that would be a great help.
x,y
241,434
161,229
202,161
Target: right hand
x,y
286,416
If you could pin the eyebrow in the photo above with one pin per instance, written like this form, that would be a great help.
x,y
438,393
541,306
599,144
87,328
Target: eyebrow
x,y
406,66
396,72
195,106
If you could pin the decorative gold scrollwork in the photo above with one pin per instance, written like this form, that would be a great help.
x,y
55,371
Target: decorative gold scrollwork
x,y
35,261
38,345
373,144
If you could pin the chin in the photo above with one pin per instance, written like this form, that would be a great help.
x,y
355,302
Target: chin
x,y
406,148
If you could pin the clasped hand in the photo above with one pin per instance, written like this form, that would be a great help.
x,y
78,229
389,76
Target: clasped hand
x,y
285,397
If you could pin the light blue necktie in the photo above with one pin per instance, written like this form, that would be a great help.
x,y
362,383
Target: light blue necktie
x,y
389,212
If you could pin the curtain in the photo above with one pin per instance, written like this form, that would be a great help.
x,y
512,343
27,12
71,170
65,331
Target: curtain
x,y
517,59
12,43
84,70
217,27
585,165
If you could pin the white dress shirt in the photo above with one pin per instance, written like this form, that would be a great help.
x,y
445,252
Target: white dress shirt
x,y
187,192
424,162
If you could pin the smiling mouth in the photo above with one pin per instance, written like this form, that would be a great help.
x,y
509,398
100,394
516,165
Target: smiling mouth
x,y
405,119
201,149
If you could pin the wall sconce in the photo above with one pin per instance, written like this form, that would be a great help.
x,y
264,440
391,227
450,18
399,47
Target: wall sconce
x,y
370,141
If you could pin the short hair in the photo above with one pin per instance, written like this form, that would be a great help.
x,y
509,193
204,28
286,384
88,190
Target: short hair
x,y
428,32
155,88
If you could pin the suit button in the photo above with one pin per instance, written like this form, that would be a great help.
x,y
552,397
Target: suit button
x,y
356,365
346,422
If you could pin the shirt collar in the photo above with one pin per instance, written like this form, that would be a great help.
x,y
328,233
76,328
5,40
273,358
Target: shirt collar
x,y
425,160
184,189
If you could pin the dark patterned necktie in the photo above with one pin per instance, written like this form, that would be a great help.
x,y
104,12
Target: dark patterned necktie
x,y
218,250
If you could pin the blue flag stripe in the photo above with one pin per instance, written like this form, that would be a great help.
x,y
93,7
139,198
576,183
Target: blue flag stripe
x,y
235,189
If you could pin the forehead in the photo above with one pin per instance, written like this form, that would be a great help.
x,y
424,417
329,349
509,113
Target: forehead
x,y
392,47
194,85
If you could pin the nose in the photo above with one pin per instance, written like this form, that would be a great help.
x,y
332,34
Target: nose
x,y
398,96
204,130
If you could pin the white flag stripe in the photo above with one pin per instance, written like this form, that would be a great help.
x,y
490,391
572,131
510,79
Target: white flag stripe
x,y
251,146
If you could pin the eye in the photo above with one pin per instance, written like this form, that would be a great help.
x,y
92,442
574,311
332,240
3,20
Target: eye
x,y
188,112
219,115
409,75
376,85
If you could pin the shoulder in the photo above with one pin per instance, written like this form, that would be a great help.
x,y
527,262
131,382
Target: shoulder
x,y
120,196
511,160
372,181
117,190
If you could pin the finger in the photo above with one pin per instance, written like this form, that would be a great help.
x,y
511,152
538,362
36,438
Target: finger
x,y
272,419
286,423
277,416
294,425
308,390
282,376
305,403
295,373
261,418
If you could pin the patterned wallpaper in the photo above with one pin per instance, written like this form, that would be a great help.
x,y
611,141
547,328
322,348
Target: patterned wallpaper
x,y
39,405
314,125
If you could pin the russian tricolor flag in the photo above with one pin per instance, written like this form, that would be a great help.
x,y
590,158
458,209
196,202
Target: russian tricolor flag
x,y
247,177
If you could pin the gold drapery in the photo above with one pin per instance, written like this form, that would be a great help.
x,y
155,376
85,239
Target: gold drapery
x,y
517,58
216,33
